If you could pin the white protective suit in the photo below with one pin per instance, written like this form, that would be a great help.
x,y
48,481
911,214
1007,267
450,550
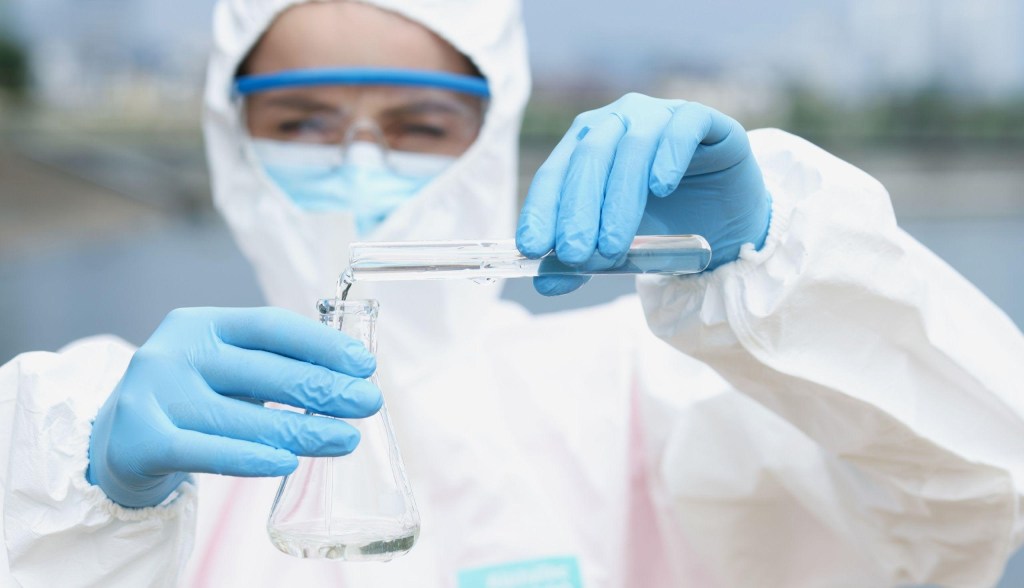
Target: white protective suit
x,y
838,409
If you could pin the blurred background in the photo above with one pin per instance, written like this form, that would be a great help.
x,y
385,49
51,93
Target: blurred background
x,y
105,215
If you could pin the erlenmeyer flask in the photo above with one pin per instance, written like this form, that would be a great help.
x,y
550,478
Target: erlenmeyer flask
x,y
358,507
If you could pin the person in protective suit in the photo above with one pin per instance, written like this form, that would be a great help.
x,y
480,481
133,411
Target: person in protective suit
x,y
829,404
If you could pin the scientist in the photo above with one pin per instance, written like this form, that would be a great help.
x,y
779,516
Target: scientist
x,y
829,405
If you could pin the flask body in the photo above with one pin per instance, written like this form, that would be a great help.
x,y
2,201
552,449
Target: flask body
x,y
357,507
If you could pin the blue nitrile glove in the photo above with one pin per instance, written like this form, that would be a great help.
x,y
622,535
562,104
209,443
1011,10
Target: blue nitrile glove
x,y
190,401
591,195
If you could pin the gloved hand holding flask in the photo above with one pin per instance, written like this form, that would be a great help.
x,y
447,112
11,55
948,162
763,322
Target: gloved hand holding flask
x,y
594,192
186,403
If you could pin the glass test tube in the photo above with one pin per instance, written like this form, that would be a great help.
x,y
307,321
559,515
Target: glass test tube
x,y
482,260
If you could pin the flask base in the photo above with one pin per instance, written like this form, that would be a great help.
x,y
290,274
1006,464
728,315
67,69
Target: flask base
x,y
364,544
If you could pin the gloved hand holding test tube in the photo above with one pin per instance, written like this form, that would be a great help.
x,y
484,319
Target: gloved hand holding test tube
x,y
487,260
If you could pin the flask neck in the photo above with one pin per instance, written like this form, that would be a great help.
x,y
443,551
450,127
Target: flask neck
x,y
355,318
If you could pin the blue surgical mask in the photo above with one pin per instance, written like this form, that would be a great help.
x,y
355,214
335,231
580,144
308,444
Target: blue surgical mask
x,y
362,179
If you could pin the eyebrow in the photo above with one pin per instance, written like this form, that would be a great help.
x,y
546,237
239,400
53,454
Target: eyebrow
x,y
302,103
423,107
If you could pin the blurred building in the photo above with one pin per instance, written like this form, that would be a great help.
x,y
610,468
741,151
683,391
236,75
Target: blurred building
x,y
129,59
745,95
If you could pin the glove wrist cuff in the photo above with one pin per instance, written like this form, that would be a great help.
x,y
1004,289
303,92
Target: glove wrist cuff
x,y
144,491
756,235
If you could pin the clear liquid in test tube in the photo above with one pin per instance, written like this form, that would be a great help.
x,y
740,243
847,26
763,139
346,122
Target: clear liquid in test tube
x,y
485,260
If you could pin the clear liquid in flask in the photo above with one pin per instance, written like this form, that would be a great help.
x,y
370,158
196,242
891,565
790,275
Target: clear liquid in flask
x,y
367,540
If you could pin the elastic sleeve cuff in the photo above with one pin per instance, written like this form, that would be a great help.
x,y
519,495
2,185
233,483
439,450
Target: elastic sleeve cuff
x,y
51,508
673,303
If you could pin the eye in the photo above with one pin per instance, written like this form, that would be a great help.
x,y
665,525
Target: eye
x,y
424,130
301,126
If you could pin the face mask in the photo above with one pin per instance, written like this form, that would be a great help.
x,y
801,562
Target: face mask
x,y
362,180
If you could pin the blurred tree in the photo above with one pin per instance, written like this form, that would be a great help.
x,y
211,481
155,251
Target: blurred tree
x,y
14,69
930,114
810,115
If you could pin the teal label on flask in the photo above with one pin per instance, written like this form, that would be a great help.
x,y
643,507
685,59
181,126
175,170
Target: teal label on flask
x,y
555,572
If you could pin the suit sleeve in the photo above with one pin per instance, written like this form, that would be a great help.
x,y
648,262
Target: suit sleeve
x,y
895,381
58,529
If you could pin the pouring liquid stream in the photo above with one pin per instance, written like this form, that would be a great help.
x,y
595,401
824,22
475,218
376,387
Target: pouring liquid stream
x,y
345,282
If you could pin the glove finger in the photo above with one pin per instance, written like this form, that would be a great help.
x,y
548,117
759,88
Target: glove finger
x,y
628,183
266,377
690,124
286,333
190,451
558,285
579,209
725,146
535,235
300,434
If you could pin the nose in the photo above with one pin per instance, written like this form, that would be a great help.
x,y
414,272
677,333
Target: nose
x,y
365,130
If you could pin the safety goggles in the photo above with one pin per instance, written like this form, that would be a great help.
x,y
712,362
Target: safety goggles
x,y
404,111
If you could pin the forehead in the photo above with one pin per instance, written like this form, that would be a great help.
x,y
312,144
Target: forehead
x,y
350,34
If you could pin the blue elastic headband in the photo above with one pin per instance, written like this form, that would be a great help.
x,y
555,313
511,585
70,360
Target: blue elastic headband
x,y
350,76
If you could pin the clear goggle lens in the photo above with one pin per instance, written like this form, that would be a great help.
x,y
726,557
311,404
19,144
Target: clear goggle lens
x,y
406,119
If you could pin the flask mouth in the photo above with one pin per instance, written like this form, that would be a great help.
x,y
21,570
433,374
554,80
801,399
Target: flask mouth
x,y
328,307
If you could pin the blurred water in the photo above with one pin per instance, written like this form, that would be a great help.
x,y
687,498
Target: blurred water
x,y
987,251
125,285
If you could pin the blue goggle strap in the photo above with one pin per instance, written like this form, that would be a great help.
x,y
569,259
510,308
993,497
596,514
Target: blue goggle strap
x,y
356,76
